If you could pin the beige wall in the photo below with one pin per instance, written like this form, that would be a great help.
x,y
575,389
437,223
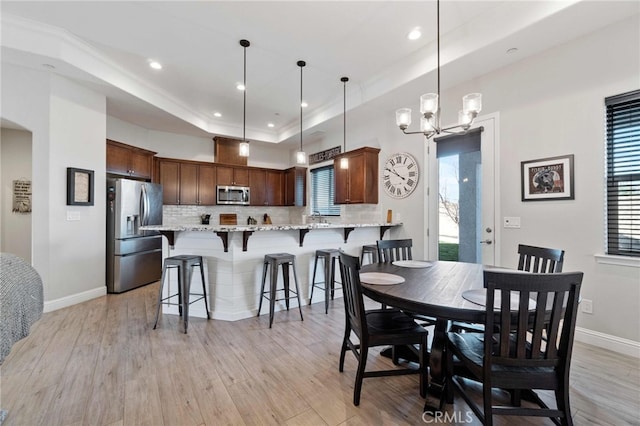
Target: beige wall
x,y
15,164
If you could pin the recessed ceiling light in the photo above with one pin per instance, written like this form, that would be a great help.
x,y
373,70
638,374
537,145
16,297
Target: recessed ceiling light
x,y
304,104
240,86
217,114
271,125
414,34
155,65
512,50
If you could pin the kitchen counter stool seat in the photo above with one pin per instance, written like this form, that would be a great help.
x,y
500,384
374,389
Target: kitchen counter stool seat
x,y
185,264
273,261
329,258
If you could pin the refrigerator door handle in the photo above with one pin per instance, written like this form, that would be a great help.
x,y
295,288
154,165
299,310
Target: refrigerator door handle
x,y
144,205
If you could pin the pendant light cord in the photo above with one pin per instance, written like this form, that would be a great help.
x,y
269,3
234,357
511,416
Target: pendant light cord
x,y
244,98
344,115
244,43
438,54
301,64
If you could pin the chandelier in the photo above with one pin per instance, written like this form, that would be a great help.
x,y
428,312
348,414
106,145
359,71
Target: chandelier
x,y
430,105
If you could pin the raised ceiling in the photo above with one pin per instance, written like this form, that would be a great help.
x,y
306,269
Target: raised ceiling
x,y
107,46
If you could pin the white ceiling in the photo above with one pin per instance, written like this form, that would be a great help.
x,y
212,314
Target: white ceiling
x,y
107,46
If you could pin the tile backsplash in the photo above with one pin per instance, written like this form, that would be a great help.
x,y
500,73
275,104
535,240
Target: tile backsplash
x,y
190,215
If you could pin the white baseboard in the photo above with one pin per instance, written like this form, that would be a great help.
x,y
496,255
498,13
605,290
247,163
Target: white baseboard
x,y
63,302
607,341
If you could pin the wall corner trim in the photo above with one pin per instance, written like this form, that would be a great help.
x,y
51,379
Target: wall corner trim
x,y
74,299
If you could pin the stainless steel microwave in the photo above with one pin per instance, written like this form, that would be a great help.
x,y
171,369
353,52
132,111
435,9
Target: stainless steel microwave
x,y
232,195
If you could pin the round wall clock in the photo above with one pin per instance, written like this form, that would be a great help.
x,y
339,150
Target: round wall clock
x,y
400,175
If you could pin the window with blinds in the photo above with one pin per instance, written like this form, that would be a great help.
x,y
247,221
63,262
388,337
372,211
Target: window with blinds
x,y
322,192
623,174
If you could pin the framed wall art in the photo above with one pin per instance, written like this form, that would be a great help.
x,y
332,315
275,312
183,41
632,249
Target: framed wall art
x,y
79,187
547,179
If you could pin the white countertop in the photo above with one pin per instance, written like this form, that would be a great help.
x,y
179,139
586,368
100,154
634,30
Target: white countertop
x,y
251,228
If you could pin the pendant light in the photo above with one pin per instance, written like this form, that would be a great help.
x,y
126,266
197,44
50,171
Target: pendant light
x,y
430,105
244,145
301,157
344,161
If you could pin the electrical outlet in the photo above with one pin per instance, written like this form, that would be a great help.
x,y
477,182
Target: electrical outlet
x,y
586,306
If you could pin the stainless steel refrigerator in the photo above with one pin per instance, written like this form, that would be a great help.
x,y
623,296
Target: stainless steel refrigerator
x,y
134,257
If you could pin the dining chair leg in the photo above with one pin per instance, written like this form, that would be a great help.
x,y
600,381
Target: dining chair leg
x,y
362,362
345,346
562,402
488,402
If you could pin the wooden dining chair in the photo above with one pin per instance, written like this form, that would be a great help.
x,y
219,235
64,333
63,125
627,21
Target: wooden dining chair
x,y
518,357
391,250
540,259
380,327
531,259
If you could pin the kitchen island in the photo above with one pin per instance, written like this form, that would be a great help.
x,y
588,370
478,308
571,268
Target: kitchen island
x,y
233,267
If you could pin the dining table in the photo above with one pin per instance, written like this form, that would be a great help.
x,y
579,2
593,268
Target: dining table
x,y
439,290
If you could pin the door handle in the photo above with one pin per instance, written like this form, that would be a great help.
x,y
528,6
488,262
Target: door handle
x,y
487,242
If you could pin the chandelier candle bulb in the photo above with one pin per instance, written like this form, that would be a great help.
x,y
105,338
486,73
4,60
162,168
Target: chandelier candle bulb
x,y
429,103
472,103
403,117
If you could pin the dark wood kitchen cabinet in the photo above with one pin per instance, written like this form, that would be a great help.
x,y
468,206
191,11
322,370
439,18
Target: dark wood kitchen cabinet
x,y
187,183
266,187
295,186
236,176
359,183
130,161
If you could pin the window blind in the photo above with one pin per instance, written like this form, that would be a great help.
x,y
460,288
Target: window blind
x,y
623,174
322,191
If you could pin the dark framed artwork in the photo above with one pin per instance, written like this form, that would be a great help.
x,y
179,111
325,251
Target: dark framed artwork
x,y
79,187
547,179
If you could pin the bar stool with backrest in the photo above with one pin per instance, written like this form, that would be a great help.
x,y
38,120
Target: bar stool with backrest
x,y
184,264
329,258
273,261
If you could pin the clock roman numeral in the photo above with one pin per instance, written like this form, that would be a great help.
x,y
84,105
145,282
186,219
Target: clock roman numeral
x,y
410,165
411,182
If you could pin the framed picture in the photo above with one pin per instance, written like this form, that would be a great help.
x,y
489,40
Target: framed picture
x,y
79,187
547,179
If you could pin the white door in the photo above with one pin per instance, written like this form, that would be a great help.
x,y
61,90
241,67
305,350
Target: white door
x,y
461,197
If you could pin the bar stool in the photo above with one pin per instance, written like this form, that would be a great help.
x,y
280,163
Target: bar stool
x,y
274,260
371,251
329,257
185,264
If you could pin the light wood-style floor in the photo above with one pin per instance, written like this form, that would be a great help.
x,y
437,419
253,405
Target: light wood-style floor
x,y
100,363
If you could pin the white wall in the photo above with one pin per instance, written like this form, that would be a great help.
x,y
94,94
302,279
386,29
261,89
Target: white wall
x,y
15,159
68,127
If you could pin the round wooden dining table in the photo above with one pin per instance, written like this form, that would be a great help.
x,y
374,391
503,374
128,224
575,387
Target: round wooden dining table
x,y
433,289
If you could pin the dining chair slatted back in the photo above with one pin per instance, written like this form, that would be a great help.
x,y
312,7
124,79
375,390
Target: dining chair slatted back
x,y
540,259
376,328
392,250
531,348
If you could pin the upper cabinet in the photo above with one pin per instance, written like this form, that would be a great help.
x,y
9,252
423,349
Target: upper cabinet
x,y
295,187
228,175
187,183
227,151
266,187
127,160
359,183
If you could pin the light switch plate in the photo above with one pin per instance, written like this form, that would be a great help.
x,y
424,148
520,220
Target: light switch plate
x,y
73,215
511,222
